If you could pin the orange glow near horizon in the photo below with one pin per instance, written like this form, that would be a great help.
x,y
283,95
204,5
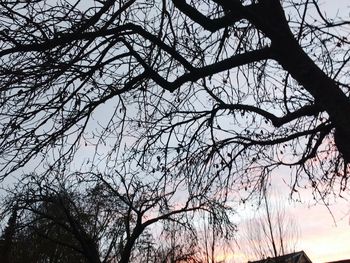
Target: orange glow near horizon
x,y
231,257
324,243
322,237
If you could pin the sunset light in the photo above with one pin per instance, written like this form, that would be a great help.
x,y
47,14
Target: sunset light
x,y
174,131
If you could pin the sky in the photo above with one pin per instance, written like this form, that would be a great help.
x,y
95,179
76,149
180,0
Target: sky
x,y
321,237
324,233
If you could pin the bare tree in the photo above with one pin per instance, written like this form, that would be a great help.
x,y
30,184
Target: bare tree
x,y
202,96
271,233
51,226
215,89
203,240
100,218
214,241
179,244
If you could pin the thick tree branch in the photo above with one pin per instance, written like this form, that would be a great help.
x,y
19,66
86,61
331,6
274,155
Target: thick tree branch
x,y
308,110
198,73
209,24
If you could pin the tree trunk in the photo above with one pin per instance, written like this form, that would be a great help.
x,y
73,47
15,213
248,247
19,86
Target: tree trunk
x,y
269,17
91,252
126,253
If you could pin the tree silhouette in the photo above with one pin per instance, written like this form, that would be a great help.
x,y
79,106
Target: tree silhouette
x,y
86,217
271,233
207,87
49,227
206,97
